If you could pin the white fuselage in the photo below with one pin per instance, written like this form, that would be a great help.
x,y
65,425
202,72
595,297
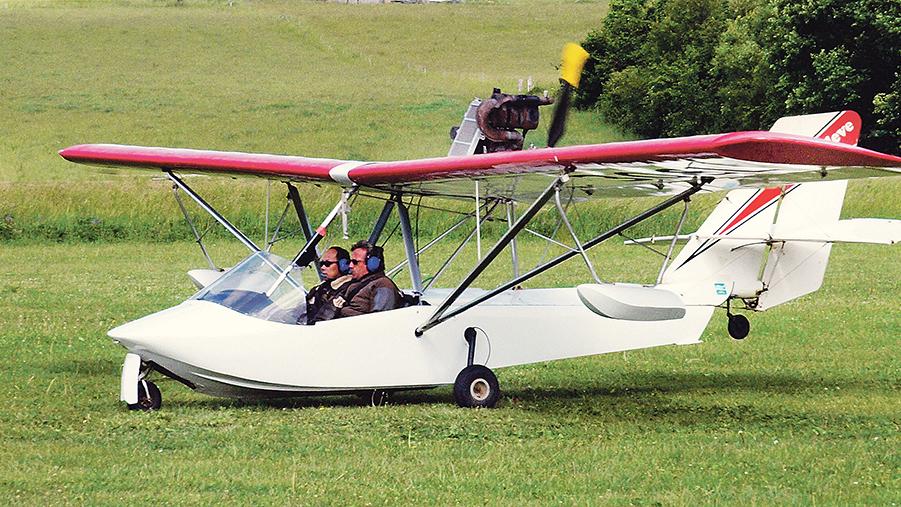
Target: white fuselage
x,y
226,353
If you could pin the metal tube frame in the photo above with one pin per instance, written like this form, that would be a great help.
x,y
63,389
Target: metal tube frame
x,y
572,233
442,315
439,315
431,243
478,224
309,250
672,244
197,236
305,226
213,213
459,248
278,227
407,233
549,240
514,258
382,221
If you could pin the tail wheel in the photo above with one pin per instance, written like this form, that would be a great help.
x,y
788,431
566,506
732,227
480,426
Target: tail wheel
x,y
739,326
476,387
149,397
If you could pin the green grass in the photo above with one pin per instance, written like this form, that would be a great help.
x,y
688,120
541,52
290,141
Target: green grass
x,y
803,412
318,79
356,82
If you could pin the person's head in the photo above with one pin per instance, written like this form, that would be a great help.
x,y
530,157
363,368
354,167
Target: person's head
x,y
366,258
335,262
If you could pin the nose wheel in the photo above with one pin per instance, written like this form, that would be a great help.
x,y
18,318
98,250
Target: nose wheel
x,y
149,397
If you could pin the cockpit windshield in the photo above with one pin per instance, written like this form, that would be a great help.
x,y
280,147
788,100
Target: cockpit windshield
x,y
258,288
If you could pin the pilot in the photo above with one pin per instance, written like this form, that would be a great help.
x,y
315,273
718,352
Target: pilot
x,y
371,290
321,300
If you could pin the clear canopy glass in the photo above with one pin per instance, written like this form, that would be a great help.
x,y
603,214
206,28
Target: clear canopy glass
x,y
255,287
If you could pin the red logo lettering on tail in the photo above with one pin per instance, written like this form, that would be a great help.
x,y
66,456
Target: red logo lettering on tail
x,y
845,129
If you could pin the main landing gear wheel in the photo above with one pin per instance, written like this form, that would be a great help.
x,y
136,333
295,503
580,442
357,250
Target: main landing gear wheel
x,y
476,387
149,397
739,326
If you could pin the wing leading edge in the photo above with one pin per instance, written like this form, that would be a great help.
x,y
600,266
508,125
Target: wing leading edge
x,y
645,167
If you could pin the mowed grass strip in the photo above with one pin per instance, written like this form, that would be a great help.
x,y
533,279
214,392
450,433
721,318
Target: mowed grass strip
x,y
804,411
369,82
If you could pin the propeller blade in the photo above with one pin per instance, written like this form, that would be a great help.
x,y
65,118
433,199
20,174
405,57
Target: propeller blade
x,y
574,58
558,124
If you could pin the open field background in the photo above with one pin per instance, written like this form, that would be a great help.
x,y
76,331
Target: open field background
x,y
803,412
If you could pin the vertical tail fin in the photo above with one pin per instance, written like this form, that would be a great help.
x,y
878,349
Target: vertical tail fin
x,y
737,249
838,126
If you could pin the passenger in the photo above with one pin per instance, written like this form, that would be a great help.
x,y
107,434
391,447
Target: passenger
x,y
371,290
321,300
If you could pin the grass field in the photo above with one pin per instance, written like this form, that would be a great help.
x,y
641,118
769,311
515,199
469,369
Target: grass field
x,y
318,79
805,411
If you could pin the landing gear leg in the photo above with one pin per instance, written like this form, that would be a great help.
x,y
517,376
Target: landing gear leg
x,y
739,326
135,390
476,385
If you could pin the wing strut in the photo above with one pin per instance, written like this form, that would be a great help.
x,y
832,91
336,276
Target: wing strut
x,y
441,314
198,238
294,195
382,221
409,247
439,317
213,213
308,252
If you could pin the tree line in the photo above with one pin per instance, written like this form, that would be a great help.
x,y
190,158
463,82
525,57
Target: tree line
x,y
662,68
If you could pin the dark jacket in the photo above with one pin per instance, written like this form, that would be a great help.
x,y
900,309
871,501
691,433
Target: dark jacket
x,y
374,292
321,300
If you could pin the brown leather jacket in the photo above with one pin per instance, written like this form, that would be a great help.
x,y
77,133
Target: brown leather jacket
x,y
374,292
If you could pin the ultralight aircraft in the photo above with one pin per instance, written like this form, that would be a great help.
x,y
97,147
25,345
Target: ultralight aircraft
x,y
767,242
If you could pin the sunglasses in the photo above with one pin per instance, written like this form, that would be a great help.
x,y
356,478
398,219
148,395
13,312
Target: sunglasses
x,y
327,263
356,261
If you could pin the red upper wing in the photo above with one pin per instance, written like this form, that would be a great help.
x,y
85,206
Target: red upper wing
x,y
744,153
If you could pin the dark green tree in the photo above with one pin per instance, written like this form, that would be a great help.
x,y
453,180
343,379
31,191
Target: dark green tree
x,y
677,67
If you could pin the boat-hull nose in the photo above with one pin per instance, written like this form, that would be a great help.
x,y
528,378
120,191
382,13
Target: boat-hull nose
x,y
147,333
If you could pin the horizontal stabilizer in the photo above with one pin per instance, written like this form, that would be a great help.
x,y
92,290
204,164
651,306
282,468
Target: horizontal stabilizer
x,y
877,231
880,231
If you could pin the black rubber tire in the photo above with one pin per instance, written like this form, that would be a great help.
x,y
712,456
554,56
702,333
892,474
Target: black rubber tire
x,y
739,326
148,399
476,387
